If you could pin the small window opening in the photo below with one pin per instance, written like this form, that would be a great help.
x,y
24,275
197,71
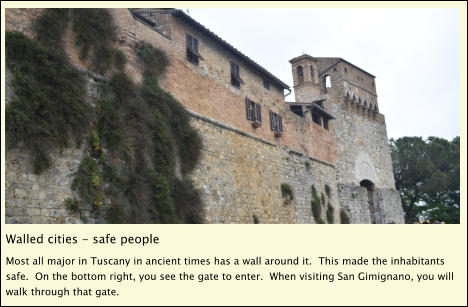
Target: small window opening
x,y
300,74
235,76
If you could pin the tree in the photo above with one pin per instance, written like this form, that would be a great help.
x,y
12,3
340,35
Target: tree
x,y
427,174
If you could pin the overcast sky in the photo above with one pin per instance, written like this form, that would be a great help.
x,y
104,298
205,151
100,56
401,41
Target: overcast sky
x,y
414,53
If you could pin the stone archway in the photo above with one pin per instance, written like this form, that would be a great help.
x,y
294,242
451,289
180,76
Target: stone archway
x,y
374,211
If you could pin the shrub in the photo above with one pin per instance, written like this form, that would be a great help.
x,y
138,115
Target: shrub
x,y
344,216
50,27
94,35
330,214
327,190
316,205
255,219
287,192
49,106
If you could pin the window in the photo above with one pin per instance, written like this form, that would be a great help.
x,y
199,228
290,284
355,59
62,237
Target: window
x,y
312,77
254,111
300,74
297,110
192,50
235,77
276,123
266,84
327,81
316,118
325,123
345,70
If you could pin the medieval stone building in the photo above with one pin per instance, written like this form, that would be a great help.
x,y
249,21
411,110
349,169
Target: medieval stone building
x,y
331,138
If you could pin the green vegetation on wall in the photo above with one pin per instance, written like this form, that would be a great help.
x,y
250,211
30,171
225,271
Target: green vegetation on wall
x,y
48,107
287,192
316,206
344,216
330,214
137,136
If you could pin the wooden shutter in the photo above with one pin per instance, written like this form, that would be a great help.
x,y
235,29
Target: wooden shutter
x,y
247,108
258,113
280,124
195,45
271,121
189,42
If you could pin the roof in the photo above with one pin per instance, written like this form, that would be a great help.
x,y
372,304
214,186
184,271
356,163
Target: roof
x,y
313,106
304,56
324,113
186,18
325,63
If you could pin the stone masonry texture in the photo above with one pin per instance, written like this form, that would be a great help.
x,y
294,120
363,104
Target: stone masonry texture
x,y
242,167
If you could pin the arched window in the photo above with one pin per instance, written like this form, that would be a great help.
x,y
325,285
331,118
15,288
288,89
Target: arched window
x,y
300,74
312,78
327,81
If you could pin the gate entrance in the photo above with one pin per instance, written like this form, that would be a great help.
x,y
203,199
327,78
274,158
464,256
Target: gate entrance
x,y
370,186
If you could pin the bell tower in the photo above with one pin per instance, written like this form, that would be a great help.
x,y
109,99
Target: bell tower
x,y
305,78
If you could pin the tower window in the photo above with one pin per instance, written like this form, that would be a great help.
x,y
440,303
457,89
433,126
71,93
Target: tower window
x,y
312,78
327,81
266,84
300,74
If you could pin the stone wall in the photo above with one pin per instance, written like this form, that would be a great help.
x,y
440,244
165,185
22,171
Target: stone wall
x,y
362,143
389,202
241,176
40,198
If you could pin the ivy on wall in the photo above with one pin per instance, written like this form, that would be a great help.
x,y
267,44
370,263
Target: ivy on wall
x,y
135,137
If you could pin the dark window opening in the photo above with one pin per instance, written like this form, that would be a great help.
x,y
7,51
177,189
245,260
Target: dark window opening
x,y
345,70
325,123
266,84
254,111
192,50
276,123
297,110
300,74
316,118
235,76
312,77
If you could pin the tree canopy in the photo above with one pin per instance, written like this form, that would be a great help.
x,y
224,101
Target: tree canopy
x,y
427,174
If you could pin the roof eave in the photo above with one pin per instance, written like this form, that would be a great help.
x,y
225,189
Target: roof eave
x,y
180,14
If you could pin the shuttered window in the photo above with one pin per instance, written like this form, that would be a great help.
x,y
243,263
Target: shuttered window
x,y
192,50
235,76
276,122
254,111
